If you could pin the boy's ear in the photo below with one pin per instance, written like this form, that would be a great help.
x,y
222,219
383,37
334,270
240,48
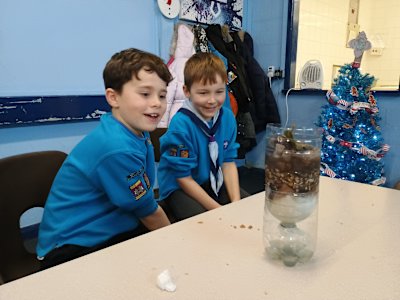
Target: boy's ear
x,y
112,97
186,91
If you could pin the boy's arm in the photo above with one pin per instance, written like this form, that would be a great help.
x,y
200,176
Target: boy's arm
x,y
194,190
231,180
156,220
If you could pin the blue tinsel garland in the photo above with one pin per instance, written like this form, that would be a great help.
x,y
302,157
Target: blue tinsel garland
x,y
352,145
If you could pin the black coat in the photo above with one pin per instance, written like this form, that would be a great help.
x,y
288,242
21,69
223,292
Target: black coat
x,y
239,87
236,65
263,108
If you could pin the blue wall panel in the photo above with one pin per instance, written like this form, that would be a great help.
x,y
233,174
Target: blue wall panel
x,y
50,109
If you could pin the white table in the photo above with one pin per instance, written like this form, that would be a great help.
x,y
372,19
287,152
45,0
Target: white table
x,y
211,257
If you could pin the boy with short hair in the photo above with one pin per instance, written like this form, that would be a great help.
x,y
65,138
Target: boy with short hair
x,y
103,193
197,171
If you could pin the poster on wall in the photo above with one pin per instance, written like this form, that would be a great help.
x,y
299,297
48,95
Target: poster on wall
x,y
229,12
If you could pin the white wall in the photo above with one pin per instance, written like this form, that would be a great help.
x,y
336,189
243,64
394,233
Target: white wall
x,y
317,18
323,34
380,19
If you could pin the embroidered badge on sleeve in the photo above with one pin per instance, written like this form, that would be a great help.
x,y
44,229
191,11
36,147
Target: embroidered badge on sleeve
x,y
146,180
173,152
135,174
137,189
184,153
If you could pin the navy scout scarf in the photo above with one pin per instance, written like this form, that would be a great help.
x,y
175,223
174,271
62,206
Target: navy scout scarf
x,y
216,176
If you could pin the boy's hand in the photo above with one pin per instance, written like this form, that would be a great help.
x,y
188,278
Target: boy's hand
x,y
194,190
231,180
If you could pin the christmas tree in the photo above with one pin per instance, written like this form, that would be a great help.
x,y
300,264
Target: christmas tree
x,y
352,144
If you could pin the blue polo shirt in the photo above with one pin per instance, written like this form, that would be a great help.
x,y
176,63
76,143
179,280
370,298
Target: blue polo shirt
x,y
184,151
102,189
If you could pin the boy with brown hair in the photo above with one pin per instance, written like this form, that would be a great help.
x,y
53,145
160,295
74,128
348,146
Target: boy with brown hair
x,y
103,193
197,171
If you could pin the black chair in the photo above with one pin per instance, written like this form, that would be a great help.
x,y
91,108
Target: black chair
x,y
25,182
252,180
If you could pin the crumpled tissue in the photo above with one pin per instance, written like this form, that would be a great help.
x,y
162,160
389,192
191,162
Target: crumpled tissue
x,y
164,281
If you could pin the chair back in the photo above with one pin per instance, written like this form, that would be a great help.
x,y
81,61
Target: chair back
x,y
155,140
25,181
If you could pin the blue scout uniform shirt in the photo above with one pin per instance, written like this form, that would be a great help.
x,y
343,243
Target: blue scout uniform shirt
x,y
184,149
101,190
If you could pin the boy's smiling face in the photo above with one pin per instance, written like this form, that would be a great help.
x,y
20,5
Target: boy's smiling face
x,y
141,103
207,97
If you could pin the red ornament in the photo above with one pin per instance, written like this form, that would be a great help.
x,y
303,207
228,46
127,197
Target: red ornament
x,y
372,100
354,91
330,123
346,144
347,126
